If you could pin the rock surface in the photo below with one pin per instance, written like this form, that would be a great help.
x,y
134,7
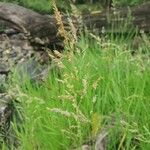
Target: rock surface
x,y
17,52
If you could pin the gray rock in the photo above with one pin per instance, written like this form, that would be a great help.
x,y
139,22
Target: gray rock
x,y
5,112
17,52
101,141
32,69
10,31
4,69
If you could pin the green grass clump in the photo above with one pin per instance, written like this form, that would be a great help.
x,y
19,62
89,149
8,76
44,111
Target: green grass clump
x,y
102,86
42,6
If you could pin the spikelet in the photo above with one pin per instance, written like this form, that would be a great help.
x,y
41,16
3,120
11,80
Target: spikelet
x,y
96,122
61,29
95,84
78,117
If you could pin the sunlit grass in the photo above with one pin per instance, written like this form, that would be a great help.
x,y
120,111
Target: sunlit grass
x,y
101,85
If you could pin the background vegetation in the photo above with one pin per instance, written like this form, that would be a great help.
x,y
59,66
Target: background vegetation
x,y
45,6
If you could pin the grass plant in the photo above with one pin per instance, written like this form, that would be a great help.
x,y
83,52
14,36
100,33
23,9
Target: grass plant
x,y
100,85
97,85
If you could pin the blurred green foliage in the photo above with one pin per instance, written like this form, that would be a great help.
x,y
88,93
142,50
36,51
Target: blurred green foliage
x,y
129,2
45,6
42,6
